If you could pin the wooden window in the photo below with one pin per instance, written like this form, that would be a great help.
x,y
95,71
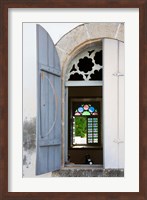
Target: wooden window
x,y
85,123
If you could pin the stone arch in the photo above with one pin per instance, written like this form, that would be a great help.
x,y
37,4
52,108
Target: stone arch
x,y
86,34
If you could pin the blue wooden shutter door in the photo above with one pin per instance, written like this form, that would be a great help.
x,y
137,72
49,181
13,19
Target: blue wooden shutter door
x,y
48,104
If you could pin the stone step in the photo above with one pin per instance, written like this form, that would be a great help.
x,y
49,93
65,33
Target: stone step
x,y
88,172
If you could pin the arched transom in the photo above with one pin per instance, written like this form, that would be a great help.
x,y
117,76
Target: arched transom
x,y
86,66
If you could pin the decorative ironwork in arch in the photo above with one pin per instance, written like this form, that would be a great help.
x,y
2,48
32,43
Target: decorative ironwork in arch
x,y
86,66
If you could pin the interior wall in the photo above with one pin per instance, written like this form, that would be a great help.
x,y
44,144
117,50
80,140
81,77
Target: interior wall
x,y
85,91
77,156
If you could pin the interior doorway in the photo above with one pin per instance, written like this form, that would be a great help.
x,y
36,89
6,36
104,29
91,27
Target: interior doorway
x,y
85,125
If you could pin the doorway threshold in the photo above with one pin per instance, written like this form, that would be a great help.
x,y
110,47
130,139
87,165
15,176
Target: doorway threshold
x,y
82,166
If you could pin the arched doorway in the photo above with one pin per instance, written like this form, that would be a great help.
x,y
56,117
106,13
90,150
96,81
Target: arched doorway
x,y
83,86
69,46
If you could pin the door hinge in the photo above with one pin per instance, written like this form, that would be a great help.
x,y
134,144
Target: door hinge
x,y
118,74
117,140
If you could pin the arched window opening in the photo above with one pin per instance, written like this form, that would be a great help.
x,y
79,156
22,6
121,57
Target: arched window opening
x,y
85,125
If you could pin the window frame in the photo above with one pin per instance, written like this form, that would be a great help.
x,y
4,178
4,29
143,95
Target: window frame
x,y
70,131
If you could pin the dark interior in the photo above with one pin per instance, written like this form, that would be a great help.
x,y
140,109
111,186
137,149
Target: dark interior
x,y
77,155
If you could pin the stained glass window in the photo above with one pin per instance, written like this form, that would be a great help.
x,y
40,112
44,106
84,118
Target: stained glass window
x,y
86,109
85,125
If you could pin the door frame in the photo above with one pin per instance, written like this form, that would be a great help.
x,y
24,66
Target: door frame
x,y
66,86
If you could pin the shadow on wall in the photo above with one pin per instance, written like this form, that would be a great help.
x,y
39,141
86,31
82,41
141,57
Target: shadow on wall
x,y
29,147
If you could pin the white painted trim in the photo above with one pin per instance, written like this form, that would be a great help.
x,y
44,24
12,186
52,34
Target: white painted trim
x,y
113,94
110,103
66,126
83,83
